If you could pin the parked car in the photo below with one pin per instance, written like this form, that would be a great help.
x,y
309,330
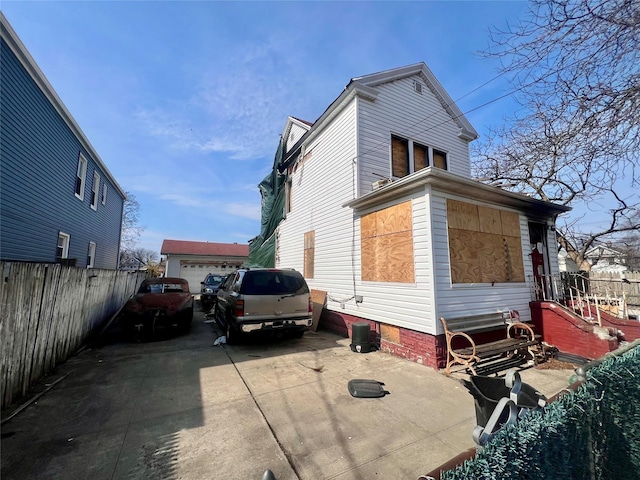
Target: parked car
x,y
262,300
160,304
209,290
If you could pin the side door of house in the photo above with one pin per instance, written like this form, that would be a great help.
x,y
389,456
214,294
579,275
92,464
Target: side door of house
x,y
540,259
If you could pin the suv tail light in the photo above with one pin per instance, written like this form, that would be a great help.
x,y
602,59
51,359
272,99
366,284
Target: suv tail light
x,y
240,308
310,305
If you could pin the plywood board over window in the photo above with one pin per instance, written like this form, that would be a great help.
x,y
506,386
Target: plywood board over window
x,y
309,253
387,245
484,244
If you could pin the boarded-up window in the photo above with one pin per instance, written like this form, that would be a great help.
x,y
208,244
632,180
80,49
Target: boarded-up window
x,y
309,253
420,157
387,245
484,244
439,159
399,157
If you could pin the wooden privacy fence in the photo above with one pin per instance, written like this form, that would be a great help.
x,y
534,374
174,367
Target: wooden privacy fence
x,y
47,312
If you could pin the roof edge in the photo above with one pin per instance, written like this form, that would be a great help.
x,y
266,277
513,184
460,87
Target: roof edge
x,y
18,48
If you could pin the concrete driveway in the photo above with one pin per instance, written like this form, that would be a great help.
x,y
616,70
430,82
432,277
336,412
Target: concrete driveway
x,y
183,408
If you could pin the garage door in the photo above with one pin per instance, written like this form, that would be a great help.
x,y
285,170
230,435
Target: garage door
x,y
194,273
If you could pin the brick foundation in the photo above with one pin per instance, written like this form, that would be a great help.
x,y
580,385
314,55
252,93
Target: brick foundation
x,y
415,346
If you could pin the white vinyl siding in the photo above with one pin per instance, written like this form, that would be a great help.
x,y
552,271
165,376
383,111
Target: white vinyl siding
x,y
320,186
295,134
399,110
337,235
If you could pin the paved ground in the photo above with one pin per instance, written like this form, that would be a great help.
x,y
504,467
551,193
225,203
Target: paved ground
x,y
186,409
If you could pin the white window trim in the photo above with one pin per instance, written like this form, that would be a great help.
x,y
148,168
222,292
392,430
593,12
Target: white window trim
x,y
104,193
81,173
95,190
92,254
65,246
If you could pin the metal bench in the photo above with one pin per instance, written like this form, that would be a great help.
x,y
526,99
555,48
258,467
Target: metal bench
x,y
520,341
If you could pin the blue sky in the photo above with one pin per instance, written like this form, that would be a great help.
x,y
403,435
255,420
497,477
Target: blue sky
x,y
185,101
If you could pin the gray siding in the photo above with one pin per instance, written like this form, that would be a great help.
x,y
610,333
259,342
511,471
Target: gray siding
x,y
39,156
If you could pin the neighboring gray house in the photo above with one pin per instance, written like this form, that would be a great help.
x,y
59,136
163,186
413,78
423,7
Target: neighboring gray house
x,y
58,201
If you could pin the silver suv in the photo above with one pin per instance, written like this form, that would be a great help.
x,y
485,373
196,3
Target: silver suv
x,y
262,300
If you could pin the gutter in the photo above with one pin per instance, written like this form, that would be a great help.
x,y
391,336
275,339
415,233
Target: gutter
x,y
456,184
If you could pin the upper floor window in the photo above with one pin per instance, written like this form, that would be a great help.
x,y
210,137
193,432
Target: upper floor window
x,y
439,159
62,250
91,254
104,193
408,157
94,190
81,174
400,157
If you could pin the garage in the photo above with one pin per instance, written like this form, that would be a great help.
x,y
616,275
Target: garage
x,y
193,261
195,273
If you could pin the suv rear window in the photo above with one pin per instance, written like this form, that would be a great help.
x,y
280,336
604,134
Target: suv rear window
x,y
273,282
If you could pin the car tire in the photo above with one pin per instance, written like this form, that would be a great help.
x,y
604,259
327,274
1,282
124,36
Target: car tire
x,y
232,334
186,321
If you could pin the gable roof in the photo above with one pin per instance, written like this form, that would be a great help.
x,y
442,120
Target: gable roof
x,y
365,88
466,129
184,247
603,251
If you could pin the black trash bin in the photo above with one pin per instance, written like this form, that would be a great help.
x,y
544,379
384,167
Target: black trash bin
x,y
360,337
487,392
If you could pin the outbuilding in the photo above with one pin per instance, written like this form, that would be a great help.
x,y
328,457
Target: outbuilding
x,y
194,260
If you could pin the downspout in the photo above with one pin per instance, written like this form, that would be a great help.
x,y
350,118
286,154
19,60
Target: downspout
x,y
355,194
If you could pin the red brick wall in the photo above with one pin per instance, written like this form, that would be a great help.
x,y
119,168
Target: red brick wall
x,y
418,347
630,328
569,333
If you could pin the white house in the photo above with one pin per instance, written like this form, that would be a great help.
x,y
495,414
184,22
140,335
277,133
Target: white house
x,y
601,257
194,260
381,213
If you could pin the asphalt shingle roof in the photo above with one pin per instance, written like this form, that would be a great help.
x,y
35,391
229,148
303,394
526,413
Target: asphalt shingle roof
x,y
184,247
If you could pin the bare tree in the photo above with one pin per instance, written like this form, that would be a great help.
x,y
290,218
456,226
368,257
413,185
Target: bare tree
x,y
138,258
132,256
575,68
131,230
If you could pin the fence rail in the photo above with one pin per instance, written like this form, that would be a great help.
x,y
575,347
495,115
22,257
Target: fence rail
x,y
48,312
592,293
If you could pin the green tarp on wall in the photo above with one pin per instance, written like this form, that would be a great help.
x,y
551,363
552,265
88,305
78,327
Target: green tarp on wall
x,y
262,248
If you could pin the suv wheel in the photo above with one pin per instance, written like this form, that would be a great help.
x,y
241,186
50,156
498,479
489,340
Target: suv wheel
x,y
232,334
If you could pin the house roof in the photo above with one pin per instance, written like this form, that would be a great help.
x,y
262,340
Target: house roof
x,y
375,79
603,251
365,87
30,65
184,247
456,184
